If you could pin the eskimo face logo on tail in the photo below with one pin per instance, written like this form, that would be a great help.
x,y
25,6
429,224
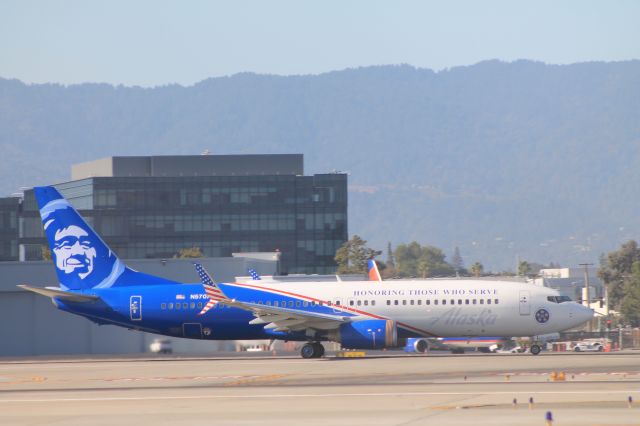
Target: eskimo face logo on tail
x,y
74,251
81,258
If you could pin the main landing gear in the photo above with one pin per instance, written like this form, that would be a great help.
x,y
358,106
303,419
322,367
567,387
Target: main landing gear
x,y
312,350
535,349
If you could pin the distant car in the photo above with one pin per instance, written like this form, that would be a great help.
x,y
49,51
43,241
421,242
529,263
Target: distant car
x,y
161,346
588,347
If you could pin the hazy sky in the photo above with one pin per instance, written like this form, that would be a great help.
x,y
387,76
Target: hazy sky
x,y
152,42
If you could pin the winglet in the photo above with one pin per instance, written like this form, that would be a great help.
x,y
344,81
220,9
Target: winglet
x,y
211,288
254,274
374,274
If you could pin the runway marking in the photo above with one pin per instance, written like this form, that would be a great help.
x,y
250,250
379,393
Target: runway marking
x,y
254,379
326,395
169,378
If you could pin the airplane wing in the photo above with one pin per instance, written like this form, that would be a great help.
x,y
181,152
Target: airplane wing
x,y
60,294
273,317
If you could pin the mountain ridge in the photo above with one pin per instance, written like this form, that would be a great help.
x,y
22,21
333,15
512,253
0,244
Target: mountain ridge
x,y
480,156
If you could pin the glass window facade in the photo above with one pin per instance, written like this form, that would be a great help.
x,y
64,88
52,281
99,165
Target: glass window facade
x,y
9,228
304,217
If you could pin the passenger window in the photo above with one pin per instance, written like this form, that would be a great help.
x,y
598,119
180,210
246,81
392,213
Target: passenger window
x,y
337,302
275,303
404,301
304,304
199,305
419,302
444,301
428,302
366,303
435,302
351,302
395,302
268,302
291,303
474,301
482,301
185,306
193,305
170,305
459,301
552,299
411,302
466,301
177,306
495,302
388,302
163,306
453,302
359,302
297,304
488,301
373,303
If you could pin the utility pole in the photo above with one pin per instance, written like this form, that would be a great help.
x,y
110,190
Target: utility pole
x,y
586,286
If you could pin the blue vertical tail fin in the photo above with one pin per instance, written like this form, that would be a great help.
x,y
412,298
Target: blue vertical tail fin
x,y
82,259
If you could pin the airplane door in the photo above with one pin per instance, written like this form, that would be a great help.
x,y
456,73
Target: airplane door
x,y
525,305
135,308
192,330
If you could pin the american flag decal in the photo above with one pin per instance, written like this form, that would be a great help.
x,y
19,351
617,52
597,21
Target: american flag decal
x,y
254,275
210,287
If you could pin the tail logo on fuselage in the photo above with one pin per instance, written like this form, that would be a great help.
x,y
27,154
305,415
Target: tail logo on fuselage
x,y
74,252
81,258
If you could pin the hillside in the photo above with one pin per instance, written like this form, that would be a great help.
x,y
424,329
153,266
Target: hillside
x,y
501,159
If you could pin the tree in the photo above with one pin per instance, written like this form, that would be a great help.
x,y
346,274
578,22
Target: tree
x,y
190,253
630,305
615,268
477,269
46,253
456,260
352,256
523,268
390,260
423,268
415,260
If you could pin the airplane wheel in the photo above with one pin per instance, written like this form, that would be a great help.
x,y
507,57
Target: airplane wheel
x,y
319,349
309,350
535,349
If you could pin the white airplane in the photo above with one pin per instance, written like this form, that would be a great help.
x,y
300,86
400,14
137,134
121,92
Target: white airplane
x,y
360,315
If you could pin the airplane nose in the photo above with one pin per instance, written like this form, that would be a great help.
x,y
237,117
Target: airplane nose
x,y
582,313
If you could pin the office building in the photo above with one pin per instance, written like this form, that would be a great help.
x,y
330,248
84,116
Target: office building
x,y
154,207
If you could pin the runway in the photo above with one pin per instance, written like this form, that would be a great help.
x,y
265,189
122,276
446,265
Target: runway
x,y
380,390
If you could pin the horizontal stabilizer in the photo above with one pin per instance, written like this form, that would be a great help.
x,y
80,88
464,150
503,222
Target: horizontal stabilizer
x,y
60,294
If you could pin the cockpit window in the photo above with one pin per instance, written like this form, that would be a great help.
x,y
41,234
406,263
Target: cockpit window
x,y
558,299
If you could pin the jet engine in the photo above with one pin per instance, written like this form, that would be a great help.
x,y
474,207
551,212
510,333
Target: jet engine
x,y
366,334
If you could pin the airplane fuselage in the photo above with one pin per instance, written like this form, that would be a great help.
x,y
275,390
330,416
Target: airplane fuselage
x,y
452,308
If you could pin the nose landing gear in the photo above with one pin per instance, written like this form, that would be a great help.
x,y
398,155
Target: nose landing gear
x,y
312,350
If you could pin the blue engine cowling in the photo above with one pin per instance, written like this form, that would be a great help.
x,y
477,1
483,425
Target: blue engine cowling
x,y
367,334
